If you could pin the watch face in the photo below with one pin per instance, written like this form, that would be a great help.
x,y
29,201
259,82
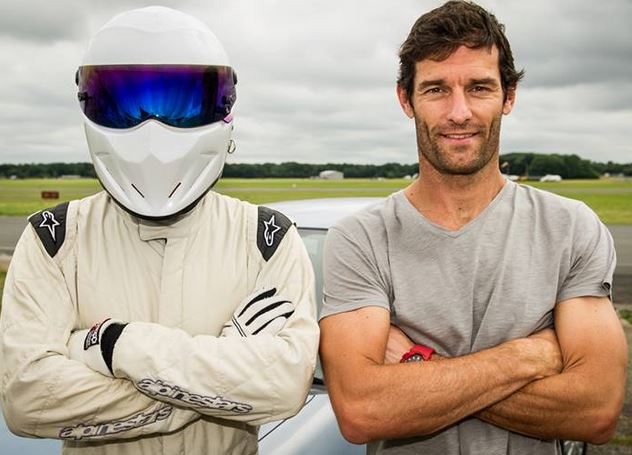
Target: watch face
x,y
414,358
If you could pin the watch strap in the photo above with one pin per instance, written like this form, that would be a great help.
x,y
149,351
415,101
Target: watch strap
x,y
418,352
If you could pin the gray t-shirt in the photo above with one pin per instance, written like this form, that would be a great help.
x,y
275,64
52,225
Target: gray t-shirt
x,y
497,278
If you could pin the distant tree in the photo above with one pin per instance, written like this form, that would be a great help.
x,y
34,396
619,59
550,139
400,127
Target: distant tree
x,y
578,168
547,164
611,168
534,164
48,170
518,162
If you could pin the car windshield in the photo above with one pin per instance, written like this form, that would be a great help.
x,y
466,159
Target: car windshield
x,y
314,240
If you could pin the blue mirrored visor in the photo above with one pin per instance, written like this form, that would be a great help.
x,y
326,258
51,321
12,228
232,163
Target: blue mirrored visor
x,y
183,96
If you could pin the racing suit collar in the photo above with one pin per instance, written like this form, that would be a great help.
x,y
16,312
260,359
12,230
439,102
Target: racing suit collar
x,y
178,226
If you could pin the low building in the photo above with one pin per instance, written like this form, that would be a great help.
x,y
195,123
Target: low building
x,y
331,175
551,178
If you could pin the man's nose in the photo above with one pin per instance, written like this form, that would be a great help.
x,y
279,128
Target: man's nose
x,y
459,110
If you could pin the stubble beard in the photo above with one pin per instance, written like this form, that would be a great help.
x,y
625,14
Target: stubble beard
x,y
429,149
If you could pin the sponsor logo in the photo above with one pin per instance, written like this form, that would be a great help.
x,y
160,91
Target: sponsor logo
x,y
175,393
83,431
270,230
93,336
49,222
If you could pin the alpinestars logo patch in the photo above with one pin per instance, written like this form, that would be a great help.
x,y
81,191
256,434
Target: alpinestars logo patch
x,y
50,227
49,221
270,230
100,430
157,387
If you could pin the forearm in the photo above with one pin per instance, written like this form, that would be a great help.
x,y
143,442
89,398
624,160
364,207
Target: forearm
x,y
584,401
43,392
252,379
403,400
54,397
574,405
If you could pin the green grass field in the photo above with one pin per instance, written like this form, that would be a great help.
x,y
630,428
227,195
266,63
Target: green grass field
x,y
610,198
22,197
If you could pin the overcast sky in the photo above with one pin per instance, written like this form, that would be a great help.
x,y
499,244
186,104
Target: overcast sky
x,y
316,78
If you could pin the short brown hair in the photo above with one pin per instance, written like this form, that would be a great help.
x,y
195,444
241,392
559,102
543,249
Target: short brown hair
x,y
438,33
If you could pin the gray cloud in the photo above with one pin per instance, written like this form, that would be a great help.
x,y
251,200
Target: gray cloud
x,y
42,21
570,42
316,79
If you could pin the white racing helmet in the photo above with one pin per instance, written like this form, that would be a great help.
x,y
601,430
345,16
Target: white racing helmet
x,y
156,91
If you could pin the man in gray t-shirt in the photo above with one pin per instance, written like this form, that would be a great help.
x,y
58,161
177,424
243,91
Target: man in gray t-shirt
x,y
469,273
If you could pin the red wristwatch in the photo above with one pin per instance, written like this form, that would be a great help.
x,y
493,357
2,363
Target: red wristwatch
x,y
417,353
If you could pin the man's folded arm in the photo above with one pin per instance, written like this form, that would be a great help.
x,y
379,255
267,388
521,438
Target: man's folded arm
x,y
251,379
43,392
377,401
585,400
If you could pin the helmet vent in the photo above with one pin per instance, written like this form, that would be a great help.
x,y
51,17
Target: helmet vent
x,y
174,190
138,191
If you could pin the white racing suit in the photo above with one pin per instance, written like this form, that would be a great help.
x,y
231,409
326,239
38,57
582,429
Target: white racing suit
x,y
184,388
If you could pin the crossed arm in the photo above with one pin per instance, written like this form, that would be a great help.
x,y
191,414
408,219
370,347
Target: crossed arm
x,y
529,385
45,393
584,401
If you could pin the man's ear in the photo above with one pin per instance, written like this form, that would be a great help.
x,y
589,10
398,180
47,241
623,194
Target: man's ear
x,y
510,100
404,102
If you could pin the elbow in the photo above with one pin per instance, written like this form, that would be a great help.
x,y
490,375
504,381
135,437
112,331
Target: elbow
x,y
293,392
596,426
15,417
21,407
363,420
294,373
359,421
292,402
16,427
604,418
603,426
354,434
354,425
363,428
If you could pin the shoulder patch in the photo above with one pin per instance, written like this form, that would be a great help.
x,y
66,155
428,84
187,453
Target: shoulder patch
x,y
271,228
50,225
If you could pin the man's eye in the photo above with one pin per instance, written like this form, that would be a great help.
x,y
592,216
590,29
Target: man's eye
x,y
434,90
480,88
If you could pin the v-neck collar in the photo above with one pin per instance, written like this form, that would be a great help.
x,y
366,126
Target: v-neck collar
x,y
507,188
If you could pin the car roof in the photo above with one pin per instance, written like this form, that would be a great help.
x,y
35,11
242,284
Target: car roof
x,y
322,213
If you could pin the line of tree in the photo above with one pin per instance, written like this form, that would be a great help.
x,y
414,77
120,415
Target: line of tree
x,y
306,170
566,166
46,170
235,170
522,164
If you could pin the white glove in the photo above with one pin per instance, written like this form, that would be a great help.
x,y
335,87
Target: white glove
x,y
260,312
85,347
